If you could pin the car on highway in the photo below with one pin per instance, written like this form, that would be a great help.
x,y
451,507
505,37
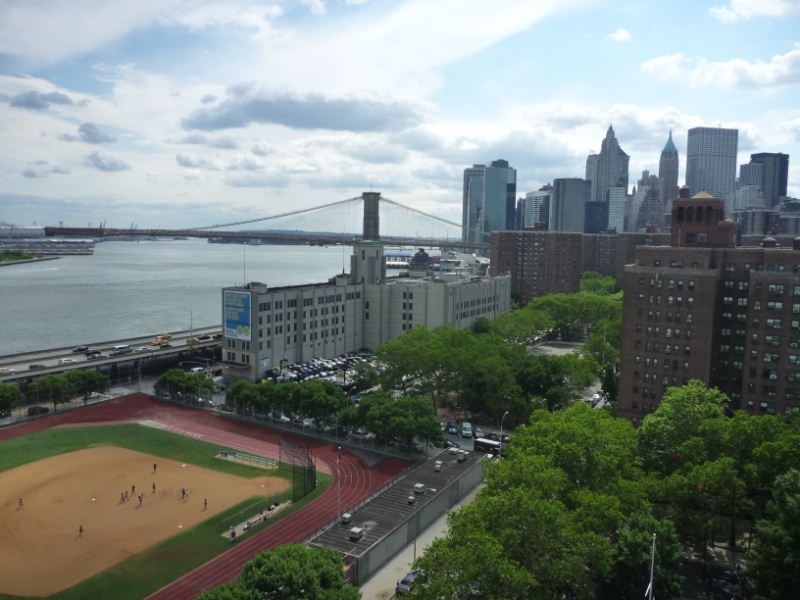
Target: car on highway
x,y
204,338
66,361
36,366
95,356
90,351
6,371
143,349
37,410
80,348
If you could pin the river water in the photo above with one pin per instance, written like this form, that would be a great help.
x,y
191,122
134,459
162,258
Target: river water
x,y
129,289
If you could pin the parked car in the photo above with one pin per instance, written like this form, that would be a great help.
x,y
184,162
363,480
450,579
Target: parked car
x,y
466,429
5,413
405,585
452,427
93,396
478,433
37,410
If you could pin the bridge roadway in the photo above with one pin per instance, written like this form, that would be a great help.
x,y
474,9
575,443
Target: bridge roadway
x,y
17,366
309,238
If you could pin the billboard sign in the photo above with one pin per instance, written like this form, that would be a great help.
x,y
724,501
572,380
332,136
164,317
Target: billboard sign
x,y
236,309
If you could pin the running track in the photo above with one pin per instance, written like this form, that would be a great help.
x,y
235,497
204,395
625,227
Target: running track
x,y
357,479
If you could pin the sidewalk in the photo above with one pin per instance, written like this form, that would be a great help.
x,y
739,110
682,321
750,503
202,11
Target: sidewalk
x,y
381,586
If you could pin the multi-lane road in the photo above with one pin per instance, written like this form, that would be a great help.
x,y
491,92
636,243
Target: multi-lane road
x,y
57,360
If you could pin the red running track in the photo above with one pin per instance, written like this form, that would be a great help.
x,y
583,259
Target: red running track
x,y
357,479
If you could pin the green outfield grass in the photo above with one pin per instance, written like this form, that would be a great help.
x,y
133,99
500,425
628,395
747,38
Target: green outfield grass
x,y
148,571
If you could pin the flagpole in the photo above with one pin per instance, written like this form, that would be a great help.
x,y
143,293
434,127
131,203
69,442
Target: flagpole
x,y
649,592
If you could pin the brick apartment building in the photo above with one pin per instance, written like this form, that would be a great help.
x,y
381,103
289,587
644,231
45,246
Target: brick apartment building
x,y
551,262
703,308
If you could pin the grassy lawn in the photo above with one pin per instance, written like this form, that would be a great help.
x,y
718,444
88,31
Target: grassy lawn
x,y
162,563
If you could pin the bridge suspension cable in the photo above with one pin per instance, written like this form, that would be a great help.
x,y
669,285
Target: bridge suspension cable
x,y
285,214
419,212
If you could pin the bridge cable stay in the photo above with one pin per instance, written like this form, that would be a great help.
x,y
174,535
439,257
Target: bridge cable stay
x,y
285,214
418,211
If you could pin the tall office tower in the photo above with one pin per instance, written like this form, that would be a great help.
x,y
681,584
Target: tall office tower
x,y
591,173
776,174
472,208
535,207
568,204
711,162
616,209
488,200
752,174
668,171
607,169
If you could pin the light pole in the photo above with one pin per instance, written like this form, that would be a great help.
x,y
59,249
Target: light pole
x,y
338,484
500,451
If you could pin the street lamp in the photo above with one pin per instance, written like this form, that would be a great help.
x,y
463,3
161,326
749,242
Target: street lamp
x,y
500,451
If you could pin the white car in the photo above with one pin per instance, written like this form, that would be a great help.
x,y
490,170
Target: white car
x,y
143,349
66,361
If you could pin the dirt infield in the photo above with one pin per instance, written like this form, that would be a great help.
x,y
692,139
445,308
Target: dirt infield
x,y
41,548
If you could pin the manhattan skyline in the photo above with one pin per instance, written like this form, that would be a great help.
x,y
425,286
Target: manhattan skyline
x,y
183,113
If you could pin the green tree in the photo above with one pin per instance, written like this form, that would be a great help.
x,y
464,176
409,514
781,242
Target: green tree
x,y
669,435
10,394
596,283
84,381
365,376
293,571
632,560
242,395
774,559
56,389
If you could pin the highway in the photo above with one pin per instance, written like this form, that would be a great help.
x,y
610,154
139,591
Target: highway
x,y
16,366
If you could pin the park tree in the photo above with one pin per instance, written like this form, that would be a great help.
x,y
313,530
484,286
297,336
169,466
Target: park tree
x,y
595,283
364,376
289,572
85,381
10,394
632,552
672,434
56,389
242,395
522,325
774,559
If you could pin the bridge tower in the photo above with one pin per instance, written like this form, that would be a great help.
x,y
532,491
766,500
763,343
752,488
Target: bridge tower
x,y
372,215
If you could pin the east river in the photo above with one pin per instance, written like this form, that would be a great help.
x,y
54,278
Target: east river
x,y
128,289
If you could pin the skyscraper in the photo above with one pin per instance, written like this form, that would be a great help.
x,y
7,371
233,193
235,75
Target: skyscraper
x,y
776,173
535,208
489,200
752,174
607,169
568,204
711,162
668,171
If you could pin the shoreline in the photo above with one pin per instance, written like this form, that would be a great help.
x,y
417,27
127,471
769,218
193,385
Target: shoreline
x,y
28,260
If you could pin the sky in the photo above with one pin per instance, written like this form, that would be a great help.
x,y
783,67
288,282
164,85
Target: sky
x,y
181,113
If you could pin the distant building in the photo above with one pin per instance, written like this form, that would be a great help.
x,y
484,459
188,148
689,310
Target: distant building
x,y
550,262
568,204
705,309
536,208
263,326
607,169
775,176
489,200
752,174
668,166
711,162
746,196
616,209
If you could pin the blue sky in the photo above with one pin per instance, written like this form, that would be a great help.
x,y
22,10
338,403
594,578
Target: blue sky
x,y
189,112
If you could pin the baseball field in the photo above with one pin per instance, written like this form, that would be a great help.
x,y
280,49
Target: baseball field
x,y
79,501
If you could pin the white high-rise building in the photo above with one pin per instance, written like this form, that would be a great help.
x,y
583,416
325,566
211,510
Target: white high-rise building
x,y
535,208
489,200
711,162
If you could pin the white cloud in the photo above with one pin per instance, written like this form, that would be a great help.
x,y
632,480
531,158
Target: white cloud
x,y
106,162
621,35
49,31
746,9
316,6
780,70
